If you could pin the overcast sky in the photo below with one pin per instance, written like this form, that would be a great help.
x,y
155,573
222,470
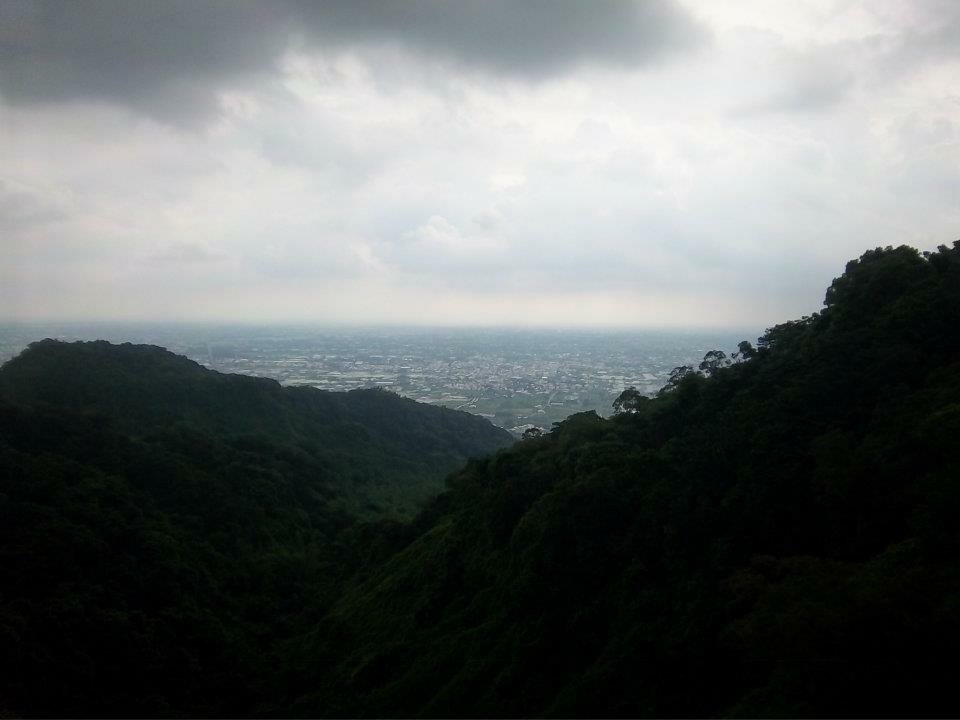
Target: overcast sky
x,y
544,162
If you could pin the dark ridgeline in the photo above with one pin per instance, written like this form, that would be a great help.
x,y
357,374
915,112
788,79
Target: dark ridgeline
x,y
777,536
164,528
374,452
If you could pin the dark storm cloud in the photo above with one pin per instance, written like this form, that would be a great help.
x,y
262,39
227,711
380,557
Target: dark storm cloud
x,y
533,38
142,54
169,57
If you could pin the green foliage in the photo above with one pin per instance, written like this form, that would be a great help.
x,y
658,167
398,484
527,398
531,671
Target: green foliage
x,y
165,530
629,401
777,539
372,451
677,376
773,536
713,360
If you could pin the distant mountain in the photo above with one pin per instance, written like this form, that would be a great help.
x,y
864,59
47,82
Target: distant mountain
x,y
778,539
164,529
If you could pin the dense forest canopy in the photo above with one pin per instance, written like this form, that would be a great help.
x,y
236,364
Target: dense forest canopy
x,y
375,453
775,533
163,526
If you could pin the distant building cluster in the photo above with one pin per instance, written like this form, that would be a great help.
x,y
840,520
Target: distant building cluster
x,y
517,379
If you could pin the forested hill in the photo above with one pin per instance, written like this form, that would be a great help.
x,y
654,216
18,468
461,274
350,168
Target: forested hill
x,y
774,536
779,538
165,529
372,451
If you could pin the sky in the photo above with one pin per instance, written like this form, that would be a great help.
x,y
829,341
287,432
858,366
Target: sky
x,y
662,163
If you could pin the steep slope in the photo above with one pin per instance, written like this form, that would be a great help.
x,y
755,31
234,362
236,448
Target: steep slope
x,y
777,539
780,538
164,529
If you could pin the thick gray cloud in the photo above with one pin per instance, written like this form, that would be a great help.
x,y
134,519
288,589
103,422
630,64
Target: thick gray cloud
x,y
534,38
467,162
164,57
169,58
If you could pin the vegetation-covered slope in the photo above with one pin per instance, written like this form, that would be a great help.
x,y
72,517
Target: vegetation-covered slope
x,y
373,451
163,528
778,538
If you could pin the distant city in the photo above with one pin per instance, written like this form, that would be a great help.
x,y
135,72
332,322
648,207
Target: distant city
x,y
515,378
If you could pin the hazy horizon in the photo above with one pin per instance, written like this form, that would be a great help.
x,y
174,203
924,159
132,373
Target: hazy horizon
x,y
335,326
515,377
667,163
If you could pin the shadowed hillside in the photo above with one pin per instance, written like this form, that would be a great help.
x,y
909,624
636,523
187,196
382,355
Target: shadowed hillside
x,y
779,538
374,452
775,536
163,527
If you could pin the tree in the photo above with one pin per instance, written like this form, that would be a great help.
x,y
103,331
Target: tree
x,y
745,351
629,401
532,433
676,377
713,361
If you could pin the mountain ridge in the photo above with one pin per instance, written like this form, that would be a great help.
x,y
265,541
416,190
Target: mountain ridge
x,y
149,390
773,539
164,528
776,536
